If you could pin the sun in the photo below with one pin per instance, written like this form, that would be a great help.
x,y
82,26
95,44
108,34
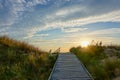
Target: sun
x,y
84,43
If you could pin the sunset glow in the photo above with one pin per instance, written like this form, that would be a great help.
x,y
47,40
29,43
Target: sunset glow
x,y
84,43
50,24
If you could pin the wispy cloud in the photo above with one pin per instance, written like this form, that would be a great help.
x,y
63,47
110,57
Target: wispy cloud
x,y
106,31
12,10
69,10
108,17
42,35
70,30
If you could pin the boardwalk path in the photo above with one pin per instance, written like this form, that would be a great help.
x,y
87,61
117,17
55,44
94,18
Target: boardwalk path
x,y
68,67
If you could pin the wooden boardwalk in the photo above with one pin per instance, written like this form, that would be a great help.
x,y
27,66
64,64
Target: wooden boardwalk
x,y
68,67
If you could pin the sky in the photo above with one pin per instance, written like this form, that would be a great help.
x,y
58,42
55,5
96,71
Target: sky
x,y
50,24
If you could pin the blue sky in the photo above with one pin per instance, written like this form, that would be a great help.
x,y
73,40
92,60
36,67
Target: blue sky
x,y
49,24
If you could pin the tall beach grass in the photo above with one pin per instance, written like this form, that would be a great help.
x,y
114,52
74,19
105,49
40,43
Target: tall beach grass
x,y
21,61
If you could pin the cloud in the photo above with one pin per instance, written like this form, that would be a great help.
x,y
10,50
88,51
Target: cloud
x,y
106,31
83,8
42,35
108,17
70,30
55,41
27,17
35,2
12,10
69,10
88,12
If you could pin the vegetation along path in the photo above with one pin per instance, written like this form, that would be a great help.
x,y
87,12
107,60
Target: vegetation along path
x,y
68,67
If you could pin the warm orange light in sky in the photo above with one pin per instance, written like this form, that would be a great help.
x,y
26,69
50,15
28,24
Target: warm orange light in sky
x,y
84,43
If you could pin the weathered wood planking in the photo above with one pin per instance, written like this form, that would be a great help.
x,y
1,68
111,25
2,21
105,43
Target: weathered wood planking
x,y
68,67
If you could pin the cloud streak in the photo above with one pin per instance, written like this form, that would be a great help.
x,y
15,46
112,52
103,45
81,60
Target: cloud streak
x,y
106,31
109,17
71,30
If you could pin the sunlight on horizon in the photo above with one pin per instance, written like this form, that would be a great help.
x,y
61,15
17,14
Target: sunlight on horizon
x,y
84,43
50,24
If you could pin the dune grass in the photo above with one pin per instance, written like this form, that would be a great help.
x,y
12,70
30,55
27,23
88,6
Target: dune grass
x,y
21,61
97,62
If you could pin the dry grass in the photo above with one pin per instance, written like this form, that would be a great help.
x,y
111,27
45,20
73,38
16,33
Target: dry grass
x,y
93,57
21,46
21,61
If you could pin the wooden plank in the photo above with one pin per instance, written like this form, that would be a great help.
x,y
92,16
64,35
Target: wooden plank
x,y
68,67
